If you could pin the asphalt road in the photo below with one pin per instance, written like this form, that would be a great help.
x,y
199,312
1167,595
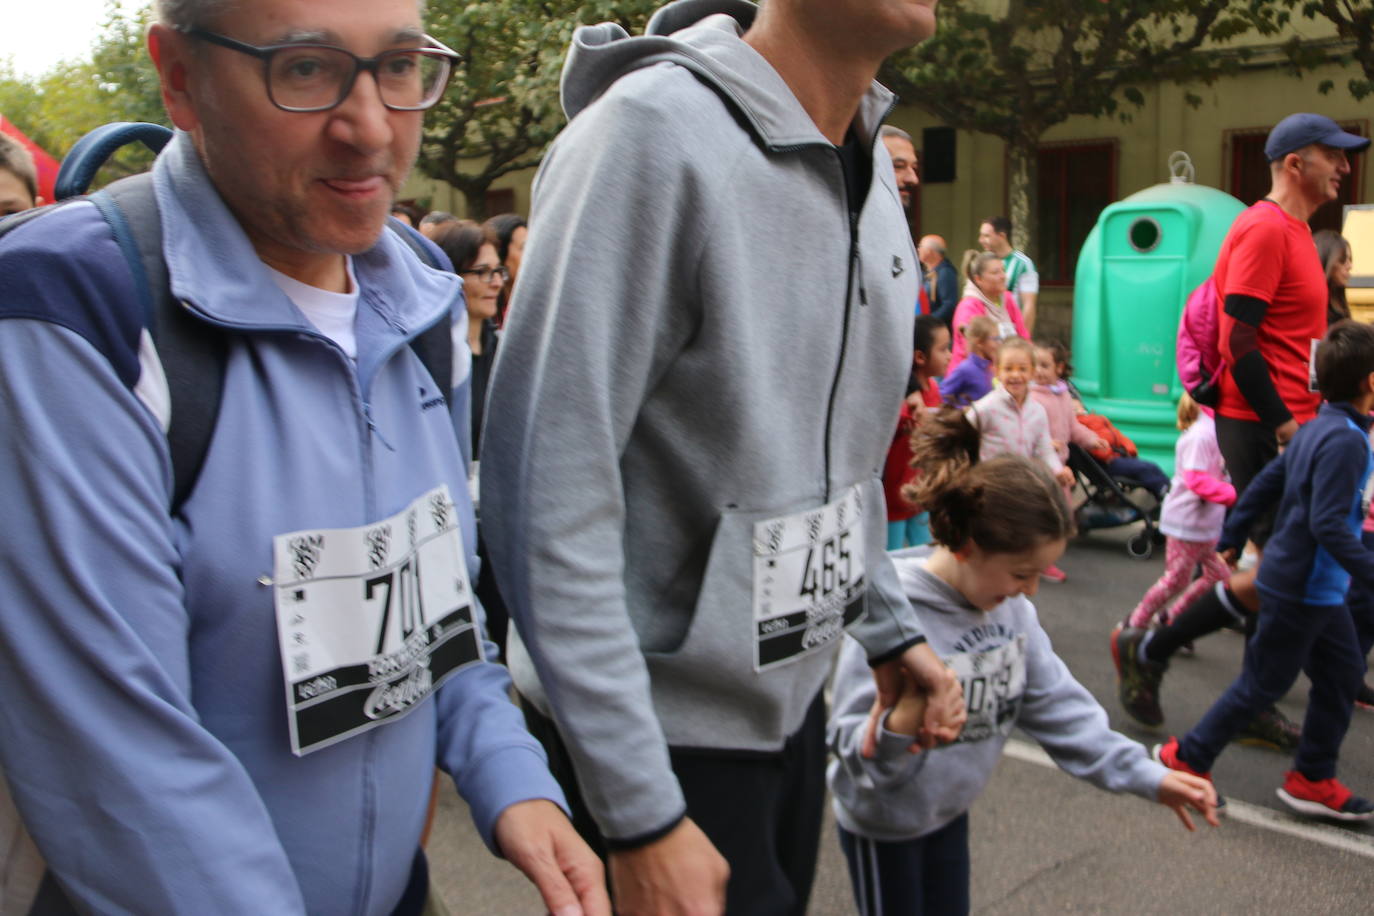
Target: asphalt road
x,y
1044,842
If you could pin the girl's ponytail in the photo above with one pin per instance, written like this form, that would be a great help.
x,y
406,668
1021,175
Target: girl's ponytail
x,y
1008,504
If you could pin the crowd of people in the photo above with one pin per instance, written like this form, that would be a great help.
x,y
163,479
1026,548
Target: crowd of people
x,y
254,618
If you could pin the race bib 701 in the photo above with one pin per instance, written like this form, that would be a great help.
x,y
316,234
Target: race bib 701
x,y
371,620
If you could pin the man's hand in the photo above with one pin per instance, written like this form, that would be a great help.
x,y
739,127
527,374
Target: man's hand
x,y
536,837
945,712
1182,791
681,874
909,715
1286,431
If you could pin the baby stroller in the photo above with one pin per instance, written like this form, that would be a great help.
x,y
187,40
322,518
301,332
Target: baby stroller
x,y
1114,501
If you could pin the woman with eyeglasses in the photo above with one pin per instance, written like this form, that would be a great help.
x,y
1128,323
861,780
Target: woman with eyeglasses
x,y
472,249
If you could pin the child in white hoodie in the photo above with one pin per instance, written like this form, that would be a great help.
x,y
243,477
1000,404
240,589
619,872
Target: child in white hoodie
x,y
904,818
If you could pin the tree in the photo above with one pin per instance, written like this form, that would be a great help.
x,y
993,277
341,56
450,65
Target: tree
x,y
501,110
1016,73
117,83
1355,24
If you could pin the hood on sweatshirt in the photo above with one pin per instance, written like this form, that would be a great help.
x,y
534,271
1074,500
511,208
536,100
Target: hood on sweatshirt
x,y
700,35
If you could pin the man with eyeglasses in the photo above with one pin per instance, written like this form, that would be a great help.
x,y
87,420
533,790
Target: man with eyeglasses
x,y
685,437
235,702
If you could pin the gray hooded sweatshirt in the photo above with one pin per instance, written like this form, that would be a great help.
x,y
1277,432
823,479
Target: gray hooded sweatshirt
x,y
1011,677
702,344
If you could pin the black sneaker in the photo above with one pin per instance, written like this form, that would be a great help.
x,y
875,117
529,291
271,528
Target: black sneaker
x,y
1137,681
1273,730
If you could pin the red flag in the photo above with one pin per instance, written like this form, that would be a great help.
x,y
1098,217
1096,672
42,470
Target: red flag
x,y
47,165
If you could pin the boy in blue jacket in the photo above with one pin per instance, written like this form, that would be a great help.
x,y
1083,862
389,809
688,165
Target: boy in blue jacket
x,y
1304,622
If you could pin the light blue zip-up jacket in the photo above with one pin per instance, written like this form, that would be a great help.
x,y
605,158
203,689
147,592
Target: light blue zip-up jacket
x,y
143,730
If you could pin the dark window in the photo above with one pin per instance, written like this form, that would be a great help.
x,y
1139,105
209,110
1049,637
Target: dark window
x,y
1250,179
937,155
500,200
1077,181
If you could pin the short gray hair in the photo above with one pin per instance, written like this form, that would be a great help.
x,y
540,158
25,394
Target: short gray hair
x,y
887,130
185,14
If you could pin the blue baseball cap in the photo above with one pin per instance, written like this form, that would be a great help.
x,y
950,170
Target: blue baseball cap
x,y
1299,130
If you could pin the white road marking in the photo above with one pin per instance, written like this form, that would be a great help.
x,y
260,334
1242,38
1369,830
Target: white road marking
x,y
1244,812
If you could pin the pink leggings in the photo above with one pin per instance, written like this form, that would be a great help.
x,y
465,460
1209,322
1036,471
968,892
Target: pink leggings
x,y
1179,559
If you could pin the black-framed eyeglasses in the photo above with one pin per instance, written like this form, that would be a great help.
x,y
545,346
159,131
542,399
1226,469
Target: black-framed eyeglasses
x,y
307,76
485,273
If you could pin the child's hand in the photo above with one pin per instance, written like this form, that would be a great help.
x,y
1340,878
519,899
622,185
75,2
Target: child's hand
x,y
1230,557
1065,476
909,714
916,403
1098,445
1182,791
1058,446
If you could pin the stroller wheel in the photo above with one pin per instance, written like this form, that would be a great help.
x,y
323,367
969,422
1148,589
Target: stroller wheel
x,y
1141,546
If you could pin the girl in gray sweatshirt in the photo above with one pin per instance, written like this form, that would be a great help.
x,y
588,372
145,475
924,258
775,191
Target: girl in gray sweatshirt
x,y
903,817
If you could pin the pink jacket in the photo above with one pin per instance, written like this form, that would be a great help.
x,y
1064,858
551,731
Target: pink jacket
x,y
1061,410
1196,505
1009,428
971,307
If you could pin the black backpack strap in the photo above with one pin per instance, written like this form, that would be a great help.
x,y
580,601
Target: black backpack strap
x,y
89,153
193,353
434,345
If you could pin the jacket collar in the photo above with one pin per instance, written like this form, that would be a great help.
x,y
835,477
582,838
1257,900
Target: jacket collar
x,y
213,267
1344,408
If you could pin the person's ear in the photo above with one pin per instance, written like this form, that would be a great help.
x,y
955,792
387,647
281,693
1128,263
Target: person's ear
x,y
964,551
171,55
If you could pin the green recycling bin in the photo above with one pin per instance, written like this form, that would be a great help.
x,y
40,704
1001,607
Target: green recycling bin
x,y
1135,271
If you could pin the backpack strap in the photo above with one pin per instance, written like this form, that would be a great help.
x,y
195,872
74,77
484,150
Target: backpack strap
x,y
434,345
194,354
89,153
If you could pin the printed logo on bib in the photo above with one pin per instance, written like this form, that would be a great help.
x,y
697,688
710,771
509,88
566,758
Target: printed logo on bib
x,y
371,620
994,681
808,579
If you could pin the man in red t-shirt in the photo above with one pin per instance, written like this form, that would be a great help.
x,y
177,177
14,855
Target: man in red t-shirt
x,y
1273,311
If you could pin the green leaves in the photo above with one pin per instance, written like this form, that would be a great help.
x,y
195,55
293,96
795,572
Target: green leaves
x,y
117,83
502,108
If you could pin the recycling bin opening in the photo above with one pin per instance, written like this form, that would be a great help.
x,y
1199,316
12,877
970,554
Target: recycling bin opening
x,y
1144,234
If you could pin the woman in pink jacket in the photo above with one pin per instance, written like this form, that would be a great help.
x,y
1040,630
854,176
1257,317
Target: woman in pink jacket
x,y
987,295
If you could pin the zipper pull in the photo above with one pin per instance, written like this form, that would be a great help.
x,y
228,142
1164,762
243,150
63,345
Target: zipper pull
x,y
372,428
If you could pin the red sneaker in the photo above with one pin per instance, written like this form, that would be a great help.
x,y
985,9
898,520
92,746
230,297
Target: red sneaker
x,y
1054,574
1323,798
1167,754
